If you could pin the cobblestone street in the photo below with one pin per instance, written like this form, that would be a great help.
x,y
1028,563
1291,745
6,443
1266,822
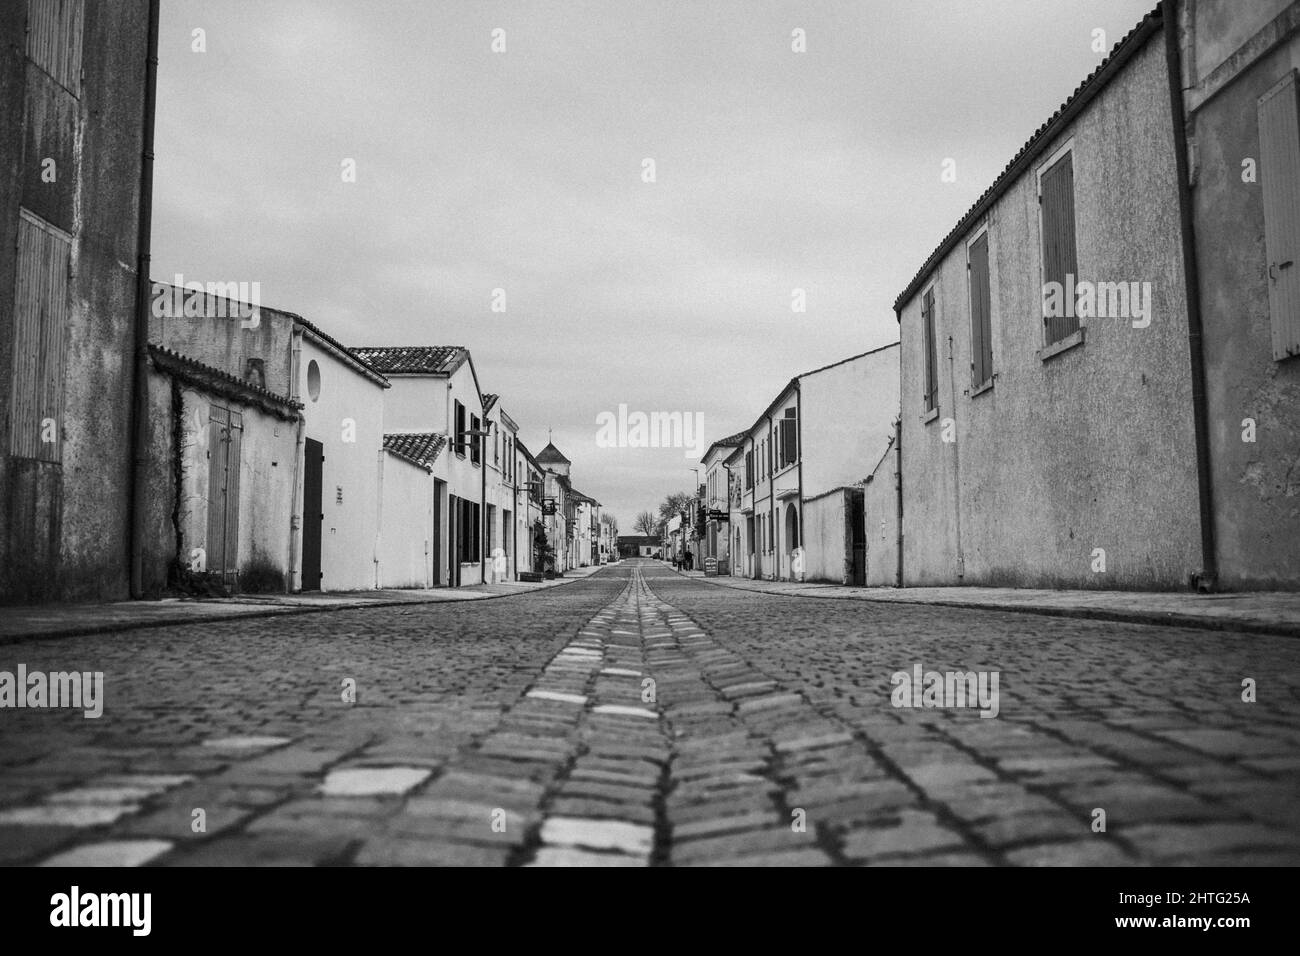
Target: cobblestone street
x,y
639,717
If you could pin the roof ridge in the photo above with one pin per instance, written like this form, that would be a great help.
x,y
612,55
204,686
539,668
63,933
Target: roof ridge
x,y
1092,84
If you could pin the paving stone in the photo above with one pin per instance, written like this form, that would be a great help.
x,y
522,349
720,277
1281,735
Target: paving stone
x,y
111,853
913,832
1094,851
372,781
571,856
631,838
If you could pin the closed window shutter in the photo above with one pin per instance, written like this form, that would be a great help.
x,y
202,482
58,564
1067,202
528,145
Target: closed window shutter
x,y
1279,170
931,381
41,307
790,437
1057,199
54,32
980,312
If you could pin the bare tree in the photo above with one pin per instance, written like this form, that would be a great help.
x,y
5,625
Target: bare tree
x,y
674,505
646,523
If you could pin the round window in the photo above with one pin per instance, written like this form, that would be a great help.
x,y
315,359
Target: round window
x,y
313,380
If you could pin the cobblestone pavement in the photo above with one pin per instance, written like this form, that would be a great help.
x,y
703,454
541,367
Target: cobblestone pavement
x,y
639,717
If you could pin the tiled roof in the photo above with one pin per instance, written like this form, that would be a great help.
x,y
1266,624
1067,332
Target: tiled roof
x,y
222,383
551,455
1120,54
412,359
420,448
731,441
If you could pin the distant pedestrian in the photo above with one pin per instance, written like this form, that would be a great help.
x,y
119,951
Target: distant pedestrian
x,y
690,560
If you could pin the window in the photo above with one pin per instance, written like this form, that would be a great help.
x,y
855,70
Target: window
x,y
930,353
788,437
749,469
469,531
313,380
476,441
40,324
981,306
54,30
1279,168
1056,222
460,429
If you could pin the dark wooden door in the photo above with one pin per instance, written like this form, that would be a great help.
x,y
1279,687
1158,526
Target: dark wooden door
x,y
312,515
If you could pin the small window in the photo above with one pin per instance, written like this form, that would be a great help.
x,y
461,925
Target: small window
x,y
460,429
313,380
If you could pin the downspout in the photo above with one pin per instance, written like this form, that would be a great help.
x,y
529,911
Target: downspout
x,y
379,516
798,453
136,498
898,484
295,518
956,464
1207,579
482,507
771,503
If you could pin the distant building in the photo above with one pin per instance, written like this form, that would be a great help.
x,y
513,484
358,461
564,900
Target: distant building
x,y
800,468
639,545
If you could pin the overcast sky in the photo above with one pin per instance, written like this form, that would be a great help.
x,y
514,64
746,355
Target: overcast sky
x,y
523,171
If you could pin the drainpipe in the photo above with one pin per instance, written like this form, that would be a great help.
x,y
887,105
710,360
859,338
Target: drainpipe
x,y
1207,579
771,505
379,516
898,484
137,496
956,465
798,451
482,505
295,518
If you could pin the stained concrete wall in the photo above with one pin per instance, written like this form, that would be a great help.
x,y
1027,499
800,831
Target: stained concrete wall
x,y
880,521
846,418
828,538
406,540
1256,485
177,515
227,342
63,527
1089,449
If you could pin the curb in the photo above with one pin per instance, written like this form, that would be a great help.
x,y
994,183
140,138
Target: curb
x,y
271,610
1152,618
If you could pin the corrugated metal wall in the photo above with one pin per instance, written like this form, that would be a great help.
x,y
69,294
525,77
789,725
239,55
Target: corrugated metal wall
x,y
40,323
1279,169
54,29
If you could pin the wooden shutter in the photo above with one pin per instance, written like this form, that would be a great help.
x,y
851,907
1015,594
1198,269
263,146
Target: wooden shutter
x,y
980,312
234,444
54,31
215,542
1279,170
1056,198
790,437
41,308
930,375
